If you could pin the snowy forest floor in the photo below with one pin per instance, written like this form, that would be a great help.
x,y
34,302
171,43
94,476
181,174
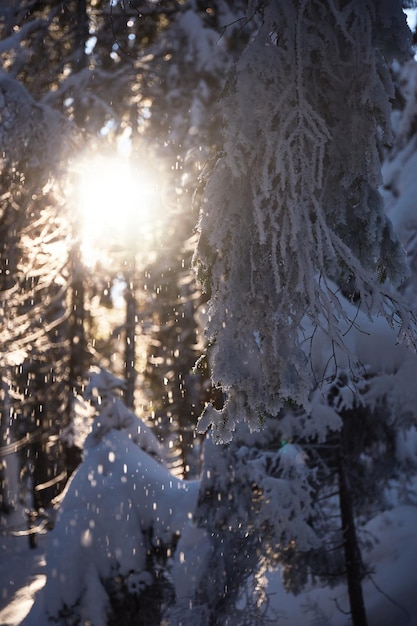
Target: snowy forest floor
x,y
390,592
21,575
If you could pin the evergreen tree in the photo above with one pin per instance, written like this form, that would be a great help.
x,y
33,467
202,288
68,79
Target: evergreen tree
x,y
291,223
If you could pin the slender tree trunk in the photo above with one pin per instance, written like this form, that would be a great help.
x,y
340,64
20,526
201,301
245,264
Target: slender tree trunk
x,y
353,560
9,465
77,321
77,338
78,356
130,346
81,35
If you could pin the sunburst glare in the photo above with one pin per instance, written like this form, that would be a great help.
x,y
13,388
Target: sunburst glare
x,y
118,203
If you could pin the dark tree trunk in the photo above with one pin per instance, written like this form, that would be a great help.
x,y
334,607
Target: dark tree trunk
x,y
130,346
77,322
81,35
353,560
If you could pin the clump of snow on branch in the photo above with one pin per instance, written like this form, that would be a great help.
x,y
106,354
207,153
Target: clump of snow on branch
x,y
31,133
292,212
399,172
114,414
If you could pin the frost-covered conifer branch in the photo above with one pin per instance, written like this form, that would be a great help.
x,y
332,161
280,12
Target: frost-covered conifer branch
x,y
292,208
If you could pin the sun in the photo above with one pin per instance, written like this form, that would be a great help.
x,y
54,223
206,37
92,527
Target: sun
x,y
118,204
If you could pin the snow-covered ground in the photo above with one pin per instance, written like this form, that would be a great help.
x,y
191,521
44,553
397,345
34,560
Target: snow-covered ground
x,y
21,576
390,594
121,490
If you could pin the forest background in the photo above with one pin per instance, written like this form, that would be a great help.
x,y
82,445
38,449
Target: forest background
x,y
111,124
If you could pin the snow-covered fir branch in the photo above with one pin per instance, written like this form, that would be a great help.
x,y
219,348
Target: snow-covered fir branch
x,y
292,215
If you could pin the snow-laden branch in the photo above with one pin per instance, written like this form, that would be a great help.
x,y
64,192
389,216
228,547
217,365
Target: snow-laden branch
x,y
292,214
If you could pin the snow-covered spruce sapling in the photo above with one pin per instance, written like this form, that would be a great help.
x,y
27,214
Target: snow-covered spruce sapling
x,y
121,514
